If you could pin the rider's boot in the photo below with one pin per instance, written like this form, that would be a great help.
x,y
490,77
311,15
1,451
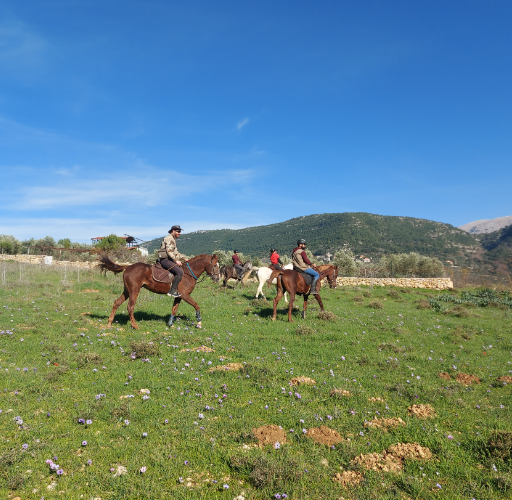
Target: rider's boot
x,y
312,290
173,292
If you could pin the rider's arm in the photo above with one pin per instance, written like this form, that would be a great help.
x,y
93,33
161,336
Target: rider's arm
x,y
305,258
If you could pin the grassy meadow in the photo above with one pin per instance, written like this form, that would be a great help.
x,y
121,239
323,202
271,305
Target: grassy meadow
x,y
93,413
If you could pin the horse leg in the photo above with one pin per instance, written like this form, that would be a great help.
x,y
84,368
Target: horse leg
x,y
174,311
277,297
306,297
117,303
285,298
290,306
319,300
189,300
131,306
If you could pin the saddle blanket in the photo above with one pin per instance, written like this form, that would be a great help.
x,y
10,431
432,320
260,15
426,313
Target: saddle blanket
x,y
161,275
307,277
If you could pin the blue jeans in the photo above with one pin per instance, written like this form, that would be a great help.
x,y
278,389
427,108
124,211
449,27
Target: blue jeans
x,y
312,272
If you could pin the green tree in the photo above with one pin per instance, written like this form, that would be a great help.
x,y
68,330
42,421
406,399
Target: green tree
x,y
66,243
111,242
346,263
9,244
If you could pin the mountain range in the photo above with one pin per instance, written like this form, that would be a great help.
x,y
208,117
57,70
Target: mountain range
x,y
487,225
363,233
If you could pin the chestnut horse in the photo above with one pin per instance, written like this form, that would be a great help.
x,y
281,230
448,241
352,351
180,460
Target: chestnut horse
x,y
139,276
332,277
293,282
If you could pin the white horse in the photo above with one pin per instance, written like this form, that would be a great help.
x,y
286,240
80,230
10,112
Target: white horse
x,y
263,274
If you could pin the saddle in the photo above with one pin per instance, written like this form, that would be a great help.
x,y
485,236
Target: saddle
x,y
307,277
160,274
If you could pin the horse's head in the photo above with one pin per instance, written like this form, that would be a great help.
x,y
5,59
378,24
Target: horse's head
x,y
213,269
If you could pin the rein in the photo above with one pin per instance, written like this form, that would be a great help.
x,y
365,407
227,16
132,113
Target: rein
x,y
195,277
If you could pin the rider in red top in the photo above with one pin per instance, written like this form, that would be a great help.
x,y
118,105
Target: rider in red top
x,y
238,264
275,260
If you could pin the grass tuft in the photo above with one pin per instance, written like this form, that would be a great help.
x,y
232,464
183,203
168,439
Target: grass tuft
x,y
144,349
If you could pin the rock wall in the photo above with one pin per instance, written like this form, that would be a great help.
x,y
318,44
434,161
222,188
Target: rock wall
x,y
39,259
431,283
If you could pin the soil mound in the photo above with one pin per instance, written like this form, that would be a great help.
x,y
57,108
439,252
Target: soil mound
x,y
269,434
376,400
380,462
385,423
445,376
464,378
340,393
324,435
229,367
348,478
203,348
412,451
422,411
390,460
505,378
89,290
302,380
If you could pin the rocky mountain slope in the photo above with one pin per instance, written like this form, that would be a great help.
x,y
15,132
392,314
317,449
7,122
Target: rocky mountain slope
x,y
487,225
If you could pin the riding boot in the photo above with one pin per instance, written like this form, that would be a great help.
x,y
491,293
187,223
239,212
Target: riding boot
x,y
312,290
173,292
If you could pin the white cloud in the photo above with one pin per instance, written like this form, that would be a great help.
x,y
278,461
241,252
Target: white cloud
x,y
242,123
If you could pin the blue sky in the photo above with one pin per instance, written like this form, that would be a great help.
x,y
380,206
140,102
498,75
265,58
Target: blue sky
x,y
129,117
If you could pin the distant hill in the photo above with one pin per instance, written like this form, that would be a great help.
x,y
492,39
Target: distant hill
x,y
487,225
363,233
498,246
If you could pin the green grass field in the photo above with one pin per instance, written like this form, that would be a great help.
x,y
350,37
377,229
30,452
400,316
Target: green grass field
x,y
191,435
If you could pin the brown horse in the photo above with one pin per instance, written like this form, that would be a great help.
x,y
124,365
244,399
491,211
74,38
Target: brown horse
x,y
229,272
139,276
293,282
332,277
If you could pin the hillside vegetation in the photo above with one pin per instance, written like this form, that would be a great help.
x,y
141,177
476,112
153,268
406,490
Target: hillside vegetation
x,y
370,234
499,246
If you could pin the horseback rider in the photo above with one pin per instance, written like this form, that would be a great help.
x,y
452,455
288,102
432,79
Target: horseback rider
x,y
171,259
275,261
302,263
238,264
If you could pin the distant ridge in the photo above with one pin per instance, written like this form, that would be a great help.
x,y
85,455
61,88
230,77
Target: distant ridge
x,y
487,225
363,233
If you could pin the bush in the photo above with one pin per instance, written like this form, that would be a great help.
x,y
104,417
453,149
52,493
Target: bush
x,y
304,330
412,264
144,349
375,304
111,242
327,316
346,263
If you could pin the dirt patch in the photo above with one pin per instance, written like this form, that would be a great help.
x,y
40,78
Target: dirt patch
x,y
324,435
380,462
464,378
337,393
90,290
376,400
445,376
505,378
234,367
385,423
302,380
269,434
390,460
69,291
203,348
86,314
422,411
411,451
348,478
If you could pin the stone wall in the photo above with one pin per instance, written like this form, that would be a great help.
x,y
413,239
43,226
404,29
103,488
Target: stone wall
x,y
432,283
39,259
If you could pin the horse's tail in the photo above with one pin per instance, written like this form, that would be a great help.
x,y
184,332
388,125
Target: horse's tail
x,y
105,264
274,274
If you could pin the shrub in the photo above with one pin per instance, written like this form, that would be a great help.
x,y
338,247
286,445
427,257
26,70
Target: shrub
x,y
394,295
327,316
367,295
304,330
375,304
423,304
144,349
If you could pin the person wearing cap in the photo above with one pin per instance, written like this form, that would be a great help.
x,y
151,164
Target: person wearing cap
x,y
302,263
171,259
238,264
275,260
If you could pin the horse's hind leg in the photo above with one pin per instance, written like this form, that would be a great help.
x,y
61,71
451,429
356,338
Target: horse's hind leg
x,y
131,306
117,303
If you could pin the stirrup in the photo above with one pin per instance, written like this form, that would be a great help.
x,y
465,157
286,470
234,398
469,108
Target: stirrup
x,y
175,294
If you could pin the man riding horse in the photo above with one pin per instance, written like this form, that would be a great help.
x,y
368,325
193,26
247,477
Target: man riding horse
x,y
302,264
171,259
238,264
275,261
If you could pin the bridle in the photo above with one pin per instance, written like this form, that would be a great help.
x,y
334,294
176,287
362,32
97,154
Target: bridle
x,y
211,274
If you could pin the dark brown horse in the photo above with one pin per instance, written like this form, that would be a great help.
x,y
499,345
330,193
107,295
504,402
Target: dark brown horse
x,y
229,272
139,276
293,282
